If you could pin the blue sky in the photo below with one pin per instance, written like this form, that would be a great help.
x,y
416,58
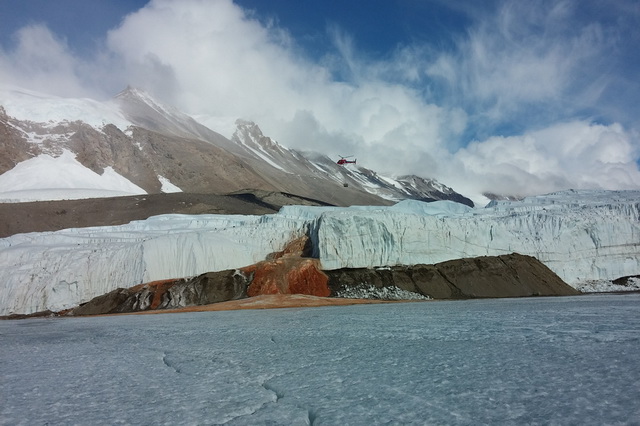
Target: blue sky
x,y
504,95
82,23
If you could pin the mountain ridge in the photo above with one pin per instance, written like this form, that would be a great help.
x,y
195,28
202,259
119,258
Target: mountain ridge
x,y
152,143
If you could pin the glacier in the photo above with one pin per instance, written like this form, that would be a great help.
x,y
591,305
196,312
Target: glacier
x,y
580,235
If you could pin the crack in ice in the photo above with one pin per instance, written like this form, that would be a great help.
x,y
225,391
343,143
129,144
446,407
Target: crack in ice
x,y
170,364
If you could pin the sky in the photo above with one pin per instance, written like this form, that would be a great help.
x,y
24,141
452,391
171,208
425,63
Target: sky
x,y
504,96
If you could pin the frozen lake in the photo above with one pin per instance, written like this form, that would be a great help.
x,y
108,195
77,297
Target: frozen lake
x,y
570,360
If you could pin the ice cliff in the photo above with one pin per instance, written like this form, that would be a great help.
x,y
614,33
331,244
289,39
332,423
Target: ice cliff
x,y
580,235
58,270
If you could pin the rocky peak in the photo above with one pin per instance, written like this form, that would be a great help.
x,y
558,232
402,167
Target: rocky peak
x,y
502,197
132,93
136,103
430,190
250,135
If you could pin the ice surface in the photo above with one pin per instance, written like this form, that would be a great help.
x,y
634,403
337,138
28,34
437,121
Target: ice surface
x,y
582,236
570,360
55,178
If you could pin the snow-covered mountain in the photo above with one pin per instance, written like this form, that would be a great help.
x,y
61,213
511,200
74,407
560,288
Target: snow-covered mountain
x,y
582,236
56,148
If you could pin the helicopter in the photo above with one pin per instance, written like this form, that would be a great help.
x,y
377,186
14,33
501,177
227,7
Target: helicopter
x,y
343,160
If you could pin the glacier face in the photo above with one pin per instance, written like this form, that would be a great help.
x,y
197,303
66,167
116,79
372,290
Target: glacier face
x,y
580,235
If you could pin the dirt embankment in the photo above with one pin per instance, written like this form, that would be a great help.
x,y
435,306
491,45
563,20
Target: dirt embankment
x,y
16,218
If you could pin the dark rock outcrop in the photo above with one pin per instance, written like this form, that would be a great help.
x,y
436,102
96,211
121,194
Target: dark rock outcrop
x,y
204,289
14,147
105,304
627,281
511,275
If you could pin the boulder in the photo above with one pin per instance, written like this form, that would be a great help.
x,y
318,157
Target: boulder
x,y
103,304
512,275
212,287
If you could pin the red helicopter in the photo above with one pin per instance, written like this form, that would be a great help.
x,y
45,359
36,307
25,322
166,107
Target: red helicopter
x,y
343,160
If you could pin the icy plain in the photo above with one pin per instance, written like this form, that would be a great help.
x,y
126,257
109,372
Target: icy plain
x,y
569,360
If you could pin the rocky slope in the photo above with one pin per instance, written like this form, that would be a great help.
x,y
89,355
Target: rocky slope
x,y
39,216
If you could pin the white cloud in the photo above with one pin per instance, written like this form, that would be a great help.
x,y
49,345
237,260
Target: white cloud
x,y
222,61
41,61
576,154
524,55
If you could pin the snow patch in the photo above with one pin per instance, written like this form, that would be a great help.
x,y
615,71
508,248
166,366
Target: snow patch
x,y
54,178
167,186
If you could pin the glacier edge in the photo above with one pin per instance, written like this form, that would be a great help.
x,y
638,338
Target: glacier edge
x,y
580,235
